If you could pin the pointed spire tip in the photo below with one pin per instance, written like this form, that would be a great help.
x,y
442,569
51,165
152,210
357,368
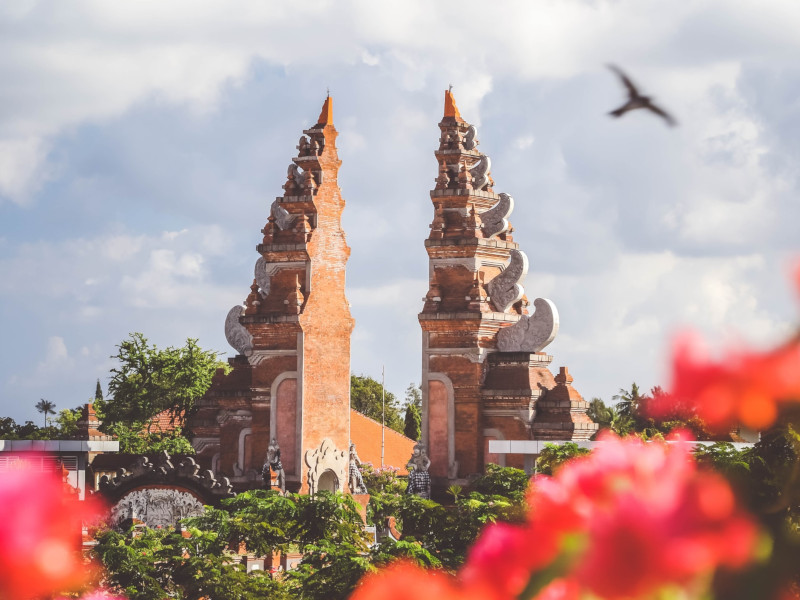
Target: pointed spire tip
x,y
326,116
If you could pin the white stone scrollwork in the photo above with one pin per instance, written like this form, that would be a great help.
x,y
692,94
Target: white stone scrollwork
x,y
506,289
262,276
283,219
495,220
480,173
156,507
469,138
237,335
531,333
326,458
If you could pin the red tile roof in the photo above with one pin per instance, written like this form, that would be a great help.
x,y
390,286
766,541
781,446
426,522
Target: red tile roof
x,y
366,434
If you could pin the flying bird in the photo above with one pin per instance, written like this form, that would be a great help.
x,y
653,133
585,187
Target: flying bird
x,y
636,100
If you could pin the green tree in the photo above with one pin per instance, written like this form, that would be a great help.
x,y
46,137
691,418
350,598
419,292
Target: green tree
x,y
414,395
366,397
600,413
98,392
628,401
553,456
67,421
46,407
148,380
413,423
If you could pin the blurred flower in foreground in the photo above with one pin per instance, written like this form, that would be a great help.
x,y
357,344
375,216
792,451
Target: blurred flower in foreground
x,y
744,387
628,521
40,535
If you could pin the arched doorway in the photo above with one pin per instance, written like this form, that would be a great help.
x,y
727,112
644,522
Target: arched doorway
x,y
328,482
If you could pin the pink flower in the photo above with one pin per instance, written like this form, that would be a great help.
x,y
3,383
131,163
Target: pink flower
x,y
40,535
744,387
649,517
405,581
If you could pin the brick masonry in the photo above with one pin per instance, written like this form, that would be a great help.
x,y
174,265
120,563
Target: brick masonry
x,y
294,382
472,392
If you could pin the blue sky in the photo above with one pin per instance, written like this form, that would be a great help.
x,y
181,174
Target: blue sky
x,y
141,146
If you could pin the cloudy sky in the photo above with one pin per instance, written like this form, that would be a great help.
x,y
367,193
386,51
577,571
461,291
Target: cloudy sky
x,y
141,145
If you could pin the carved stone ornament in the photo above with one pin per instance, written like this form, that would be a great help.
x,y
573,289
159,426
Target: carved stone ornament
x,y
531,333
261,276
237,335
183,483
495,220
326,458
224,415
282,217
480,173
469,138
506,289
156,507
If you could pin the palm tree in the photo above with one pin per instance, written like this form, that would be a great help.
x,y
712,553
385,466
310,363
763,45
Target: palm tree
x,y
46,407
628,402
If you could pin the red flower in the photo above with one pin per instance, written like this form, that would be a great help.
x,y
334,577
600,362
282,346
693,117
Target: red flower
x,y
745,387
40,535
503,557
405,581
650,518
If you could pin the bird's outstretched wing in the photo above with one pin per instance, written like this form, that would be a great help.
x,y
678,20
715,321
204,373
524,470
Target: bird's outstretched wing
x,y
662,113
632,91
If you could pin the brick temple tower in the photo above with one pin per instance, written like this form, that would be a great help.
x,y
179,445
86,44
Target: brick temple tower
x,y
291,377
483,373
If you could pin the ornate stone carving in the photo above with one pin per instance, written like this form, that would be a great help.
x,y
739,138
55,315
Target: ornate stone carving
x,y
262,276
282,217
325,458
237,335
156,507
162,470
480,173
355,481
531,333
470,141
419,480
495,220
506,289
225,415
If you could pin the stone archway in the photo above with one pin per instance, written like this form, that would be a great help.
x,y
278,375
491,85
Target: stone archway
x,y
328,482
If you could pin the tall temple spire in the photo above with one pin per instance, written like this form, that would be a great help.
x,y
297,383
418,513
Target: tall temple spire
x,y
291,377
484,375
450,108
326,116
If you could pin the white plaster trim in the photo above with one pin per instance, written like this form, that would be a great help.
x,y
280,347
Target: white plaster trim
x,y
201,443
215,463
242,434
498,435
273,267
451,414
273,408
298,461
258,356
475,355
473,264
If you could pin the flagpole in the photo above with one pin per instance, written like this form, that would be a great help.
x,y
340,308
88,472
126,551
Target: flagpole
x,y
383,411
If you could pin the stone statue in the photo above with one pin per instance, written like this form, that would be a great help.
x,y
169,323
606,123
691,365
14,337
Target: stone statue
x,y
356,482
274,464
419,480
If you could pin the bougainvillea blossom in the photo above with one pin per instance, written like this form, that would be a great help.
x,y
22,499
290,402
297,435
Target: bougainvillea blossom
x,y
743,388
40,535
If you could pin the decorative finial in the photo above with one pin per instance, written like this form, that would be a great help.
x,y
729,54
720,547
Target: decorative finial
x,y
450,88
